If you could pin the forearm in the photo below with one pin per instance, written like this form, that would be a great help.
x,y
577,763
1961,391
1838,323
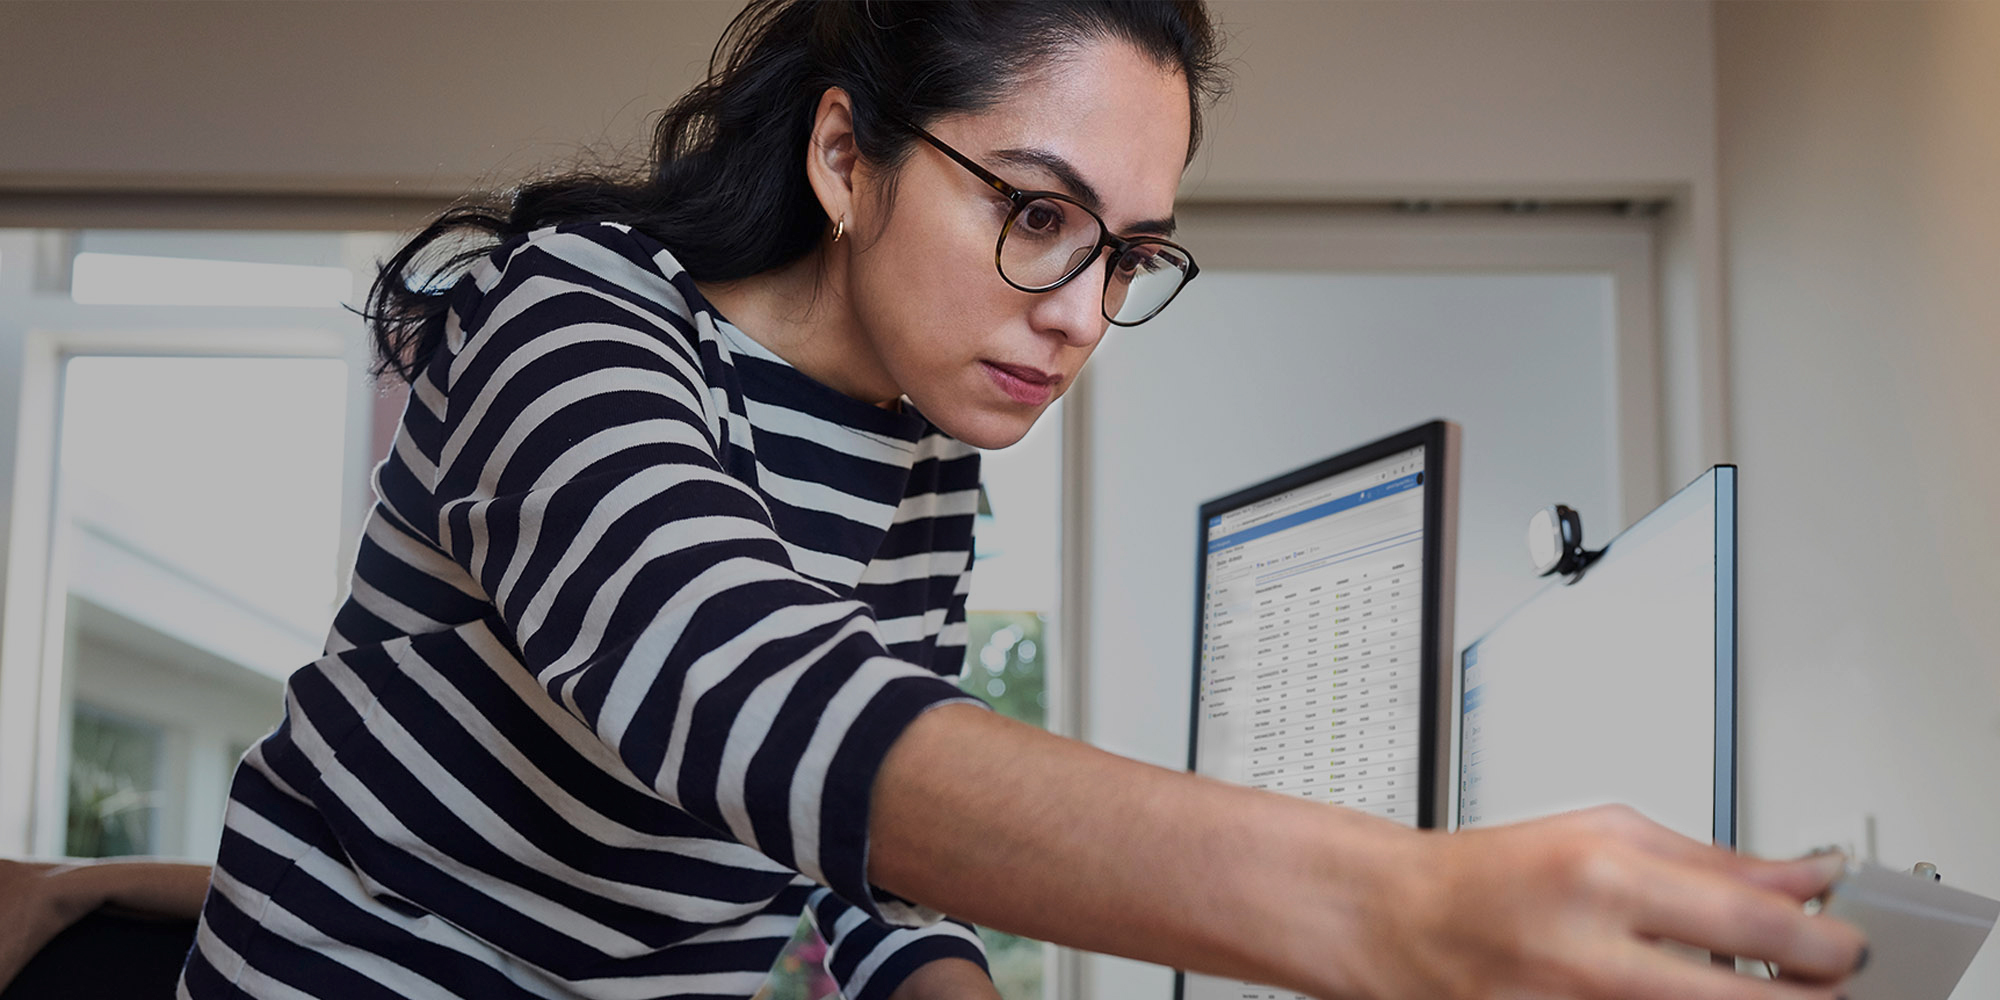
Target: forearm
x,y
39,900
997,822
146,888
947,979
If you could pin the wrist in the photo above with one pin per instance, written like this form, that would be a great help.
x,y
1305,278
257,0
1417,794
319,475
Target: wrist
x,y
70,892
1353,872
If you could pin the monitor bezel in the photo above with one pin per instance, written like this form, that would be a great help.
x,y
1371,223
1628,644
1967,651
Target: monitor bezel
x,y
1439,441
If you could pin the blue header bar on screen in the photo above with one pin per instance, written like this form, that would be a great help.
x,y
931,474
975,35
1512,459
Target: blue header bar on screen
x,y
1317,511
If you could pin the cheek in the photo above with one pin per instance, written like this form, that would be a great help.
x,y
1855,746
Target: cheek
x,y
927,298
906,310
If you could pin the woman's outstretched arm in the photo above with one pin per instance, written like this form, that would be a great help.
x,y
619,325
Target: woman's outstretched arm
x,y
998,822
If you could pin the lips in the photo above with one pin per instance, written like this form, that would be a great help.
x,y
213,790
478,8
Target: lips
x,y
1022,384
1032,376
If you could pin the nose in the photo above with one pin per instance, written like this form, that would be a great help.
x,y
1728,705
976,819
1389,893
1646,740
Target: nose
x,y
1075,312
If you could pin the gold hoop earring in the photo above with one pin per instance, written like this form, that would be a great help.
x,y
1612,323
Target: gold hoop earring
x,y
839,228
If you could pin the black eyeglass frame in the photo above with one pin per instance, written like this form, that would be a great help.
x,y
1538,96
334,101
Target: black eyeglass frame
x,y
1105,237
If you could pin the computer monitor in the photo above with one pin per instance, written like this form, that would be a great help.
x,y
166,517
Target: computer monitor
x,y
1618,685
1324,602
1323,643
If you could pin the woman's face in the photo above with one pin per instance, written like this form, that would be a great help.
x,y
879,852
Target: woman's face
x,y
1106,125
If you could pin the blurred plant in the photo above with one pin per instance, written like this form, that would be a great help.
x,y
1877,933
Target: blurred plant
x,y
1015,963
111,794
800,972
1006,654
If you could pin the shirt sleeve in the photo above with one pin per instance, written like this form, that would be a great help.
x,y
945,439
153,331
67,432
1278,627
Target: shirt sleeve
x,y
950,650
578,482
869,960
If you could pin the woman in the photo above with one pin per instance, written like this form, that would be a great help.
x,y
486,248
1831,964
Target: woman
x,y
643,656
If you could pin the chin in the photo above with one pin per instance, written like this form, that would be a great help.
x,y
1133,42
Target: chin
x,y
983,428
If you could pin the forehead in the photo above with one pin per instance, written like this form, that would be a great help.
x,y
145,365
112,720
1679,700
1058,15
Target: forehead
x,y
1119,117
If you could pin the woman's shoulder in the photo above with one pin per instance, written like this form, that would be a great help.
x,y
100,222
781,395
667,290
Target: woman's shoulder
x,y
580,272
608,255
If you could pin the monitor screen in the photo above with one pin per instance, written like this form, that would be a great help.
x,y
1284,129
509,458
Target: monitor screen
x,y
1311,651
1617,686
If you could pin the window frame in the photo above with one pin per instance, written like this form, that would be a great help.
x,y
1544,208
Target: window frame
x,y
40,331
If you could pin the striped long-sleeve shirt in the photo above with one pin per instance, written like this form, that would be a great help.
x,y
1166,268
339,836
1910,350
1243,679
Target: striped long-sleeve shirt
x,y
636,617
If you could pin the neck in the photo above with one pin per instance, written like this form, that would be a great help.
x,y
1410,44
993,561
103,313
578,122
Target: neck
x,y
799,313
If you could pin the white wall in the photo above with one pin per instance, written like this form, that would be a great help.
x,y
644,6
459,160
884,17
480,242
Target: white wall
x,y
1860,150
418,97
430,96
1510,98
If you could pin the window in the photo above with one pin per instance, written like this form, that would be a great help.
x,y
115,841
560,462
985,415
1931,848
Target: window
x,y
200,528
190,473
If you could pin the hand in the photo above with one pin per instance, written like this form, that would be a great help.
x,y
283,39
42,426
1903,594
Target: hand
x,y
947,979
36,904
1573,906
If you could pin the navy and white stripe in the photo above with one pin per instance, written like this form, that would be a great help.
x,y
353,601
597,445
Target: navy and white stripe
x,y
638,613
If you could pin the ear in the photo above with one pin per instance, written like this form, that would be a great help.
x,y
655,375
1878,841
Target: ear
x,y
832,157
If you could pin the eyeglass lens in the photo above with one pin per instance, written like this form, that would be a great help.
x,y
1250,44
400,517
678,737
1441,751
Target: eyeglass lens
x,y
1051,239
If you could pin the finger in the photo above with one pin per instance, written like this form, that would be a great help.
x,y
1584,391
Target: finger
x,y
1711,910
1800,879
1643,972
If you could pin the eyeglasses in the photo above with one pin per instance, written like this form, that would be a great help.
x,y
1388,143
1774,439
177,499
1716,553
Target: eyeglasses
x,y
1050,238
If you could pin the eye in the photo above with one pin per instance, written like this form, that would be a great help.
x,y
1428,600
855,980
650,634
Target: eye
x,y
1140,260
1041,217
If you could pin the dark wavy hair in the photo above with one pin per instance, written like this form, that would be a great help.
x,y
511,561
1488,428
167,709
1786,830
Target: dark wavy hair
x,y
725,188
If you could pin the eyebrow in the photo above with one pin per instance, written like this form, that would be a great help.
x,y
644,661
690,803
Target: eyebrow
x,y
1068,177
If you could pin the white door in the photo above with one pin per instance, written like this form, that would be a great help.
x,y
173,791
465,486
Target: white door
x,y
1303,338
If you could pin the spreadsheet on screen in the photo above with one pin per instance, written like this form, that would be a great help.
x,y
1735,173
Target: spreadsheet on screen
x,y
1311,648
